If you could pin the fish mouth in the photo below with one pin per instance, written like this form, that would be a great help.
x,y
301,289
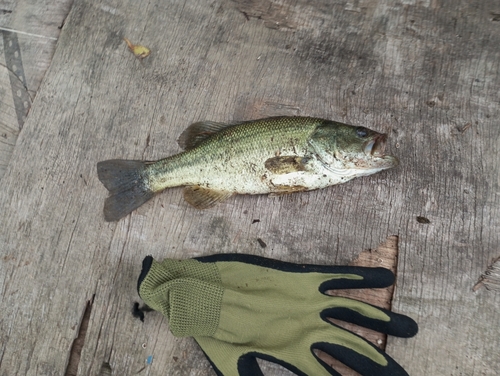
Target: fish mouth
x,y
376,146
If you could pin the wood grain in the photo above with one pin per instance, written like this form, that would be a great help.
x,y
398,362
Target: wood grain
x,y
420,71
28,36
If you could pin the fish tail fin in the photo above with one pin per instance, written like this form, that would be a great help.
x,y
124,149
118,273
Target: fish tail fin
x,y
126,183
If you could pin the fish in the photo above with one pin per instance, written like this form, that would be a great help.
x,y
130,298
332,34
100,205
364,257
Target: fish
x,y
274,156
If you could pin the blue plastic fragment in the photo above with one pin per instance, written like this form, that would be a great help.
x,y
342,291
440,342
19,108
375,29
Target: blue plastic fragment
x,y
149,360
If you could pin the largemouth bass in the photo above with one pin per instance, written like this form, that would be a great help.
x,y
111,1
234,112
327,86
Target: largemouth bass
x,y
275,155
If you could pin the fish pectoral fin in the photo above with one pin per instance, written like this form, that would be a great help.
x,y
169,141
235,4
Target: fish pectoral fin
x,y
204,198
193,135
286,164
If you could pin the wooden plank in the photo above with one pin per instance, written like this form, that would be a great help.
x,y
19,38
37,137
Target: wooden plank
x,y
28,36
9,128
425,72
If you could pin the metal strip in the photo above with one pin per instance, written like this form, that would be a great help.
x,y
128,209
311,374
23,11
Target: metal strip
x,y
14,62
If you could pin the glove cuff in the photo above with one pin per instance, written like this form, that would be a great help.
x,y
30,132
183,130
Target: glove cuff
x,y
187,292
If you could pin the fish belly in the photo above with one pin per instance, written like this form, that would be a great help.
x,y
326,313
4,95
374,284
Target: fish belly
x,y
254,178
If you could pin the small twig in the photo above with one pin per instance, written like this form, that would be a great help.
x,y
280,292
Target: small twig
x,y
465,127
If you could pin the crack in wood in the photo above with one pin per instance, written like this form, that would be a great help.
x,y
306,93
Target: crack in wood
x,y
79,342
105,369
275,16
490,279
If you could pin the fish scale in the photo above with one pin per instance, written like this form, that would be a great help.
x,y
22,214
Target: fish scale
x,y
237,153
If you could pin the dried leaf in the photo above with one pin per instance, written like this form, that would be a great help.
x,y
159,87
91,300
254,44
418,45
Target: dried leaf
x,y
139,51
423,220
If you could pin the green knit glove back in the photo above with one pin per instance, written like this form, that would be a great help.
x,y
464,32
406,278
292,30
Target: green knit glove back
x,y
242,307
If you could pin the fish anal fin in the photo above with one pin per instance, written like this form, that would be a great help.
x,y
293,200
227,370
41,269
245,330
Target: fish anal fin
x,y
286,164
280,190
204,198
196,133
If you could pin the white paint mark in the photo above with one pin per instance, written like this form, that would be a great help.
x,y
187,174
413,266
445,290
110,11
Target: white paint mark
x,y
350,7
108,9
424,3
25,33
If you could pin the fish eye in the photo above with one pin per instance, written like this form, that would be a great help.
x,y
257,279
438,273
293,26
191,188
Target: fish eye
x,y
361,132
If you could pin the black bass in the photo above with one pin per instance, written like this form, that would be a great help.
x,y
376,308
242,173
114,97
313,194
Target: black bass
x,y
275,155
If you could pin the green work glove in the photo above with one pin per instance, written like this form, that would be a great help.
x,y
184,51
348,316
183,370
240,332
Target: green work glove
x,y
242,307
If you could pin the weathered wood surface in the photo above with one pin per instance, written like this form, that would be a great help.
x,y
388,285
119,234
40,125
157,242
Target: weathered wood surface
x,y
426,72
28,35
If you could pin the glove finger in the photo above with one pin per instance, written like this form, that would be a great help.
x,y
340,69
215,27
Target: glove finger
x,y
248,366
371,317
360,363
367,278
228,360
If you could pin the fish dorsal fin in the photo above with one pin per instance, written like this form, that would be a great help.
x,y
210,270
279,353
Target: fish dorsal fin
x,y
193,135
204,198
